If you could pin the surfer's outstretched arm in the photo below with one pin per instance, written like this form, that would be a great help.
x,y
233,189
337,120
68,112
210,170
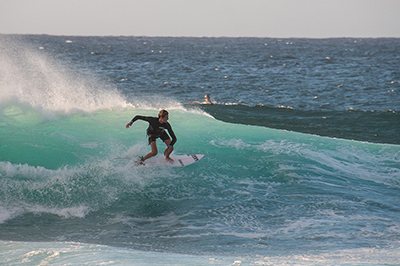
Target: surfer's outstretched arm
x,y
137,118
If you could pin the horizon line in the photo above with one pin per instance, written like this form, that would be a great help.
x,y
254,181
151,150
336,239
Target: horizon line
x,y
183,36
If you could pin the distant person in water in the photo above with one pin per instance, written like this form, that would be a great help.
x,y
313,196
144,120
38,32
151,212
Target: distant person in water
x,y
207,99
156,129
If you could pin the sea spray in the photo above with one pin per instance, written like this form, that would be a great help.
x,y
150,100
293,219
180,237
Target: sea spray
x,y
32,78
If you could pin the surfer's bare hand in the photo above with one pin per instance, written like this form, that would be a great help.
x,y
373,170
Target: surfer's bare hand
x,y
128,125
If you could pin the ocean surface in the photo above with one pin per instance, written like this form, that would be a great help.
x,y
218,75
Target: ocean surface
x,y
301,145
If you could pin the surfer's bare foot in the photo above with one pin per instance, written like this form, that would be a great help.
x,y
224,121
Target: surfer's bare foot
x,y
169,160
140,162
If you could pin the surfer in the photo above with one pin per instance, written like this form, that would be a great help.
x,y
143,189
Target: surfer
x,y
156,130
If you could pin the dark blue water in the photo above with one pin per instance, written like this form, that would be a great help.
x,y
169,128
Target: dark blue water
x,y
265,192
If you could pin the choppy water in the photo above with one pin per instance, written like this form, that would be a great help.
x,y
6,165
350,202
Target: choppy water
x,y
263,194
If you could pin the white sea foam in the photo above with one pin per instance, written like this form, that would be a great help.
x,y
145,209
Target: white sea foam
x,y
30,189
73,253
11,212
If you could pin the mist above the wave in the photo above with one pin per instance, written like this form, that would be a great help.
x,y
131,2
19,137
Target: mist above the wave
x,y
31,78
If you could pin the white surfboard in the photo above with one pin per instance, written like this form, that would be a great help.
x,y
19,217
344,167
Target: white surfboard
x,y
178,160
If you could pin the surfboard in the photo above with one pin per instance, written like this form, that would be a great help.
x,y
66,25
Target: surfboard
x,y
178,160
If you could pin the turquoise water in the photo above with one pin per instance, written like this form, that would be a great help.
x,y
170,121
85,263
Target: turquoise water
x,y
260,196
257,192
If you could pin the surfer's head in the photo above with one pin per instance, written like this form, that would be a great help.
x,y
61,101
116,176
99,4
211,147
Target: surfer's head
x,y
162,113
163,116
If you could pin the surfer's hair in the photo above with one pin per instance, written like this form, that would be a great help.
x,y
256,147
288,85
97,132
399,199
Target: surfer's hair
x,y
162,113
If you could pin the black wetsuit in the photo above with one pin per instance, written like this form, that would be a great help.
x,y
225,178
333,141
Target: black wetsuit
x,y
156,129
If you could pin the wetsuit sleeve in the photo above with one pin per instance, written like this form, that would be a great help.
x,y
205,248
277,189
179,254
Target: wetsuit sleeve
x,y
139,117
172,134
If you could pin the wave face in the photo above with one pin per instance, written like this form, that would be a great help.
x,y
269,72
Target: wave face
x,y
256,190
66,176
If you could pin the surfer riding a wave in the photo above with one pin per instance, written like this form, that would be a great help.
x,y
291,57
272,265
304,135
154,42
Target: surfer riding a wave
x,y
156,129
